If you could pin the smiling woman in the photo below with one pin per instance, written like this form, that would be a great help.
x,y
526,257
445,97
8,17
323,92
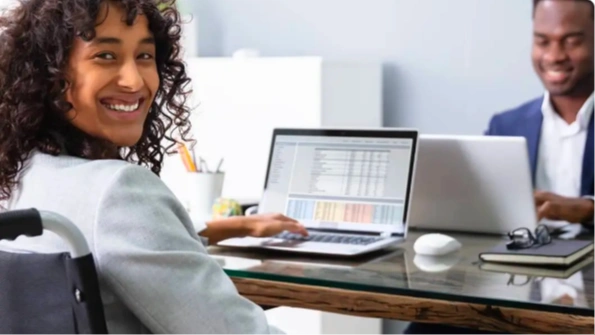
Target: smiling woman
x,y
88,92
113,78
61,82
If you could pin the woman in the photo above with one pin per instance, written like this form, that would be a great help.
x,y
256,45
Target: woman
x,y
89,90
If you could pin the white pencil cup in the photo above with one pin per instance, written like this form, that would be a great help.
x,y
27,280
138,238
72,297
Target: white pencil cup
x,y
203,190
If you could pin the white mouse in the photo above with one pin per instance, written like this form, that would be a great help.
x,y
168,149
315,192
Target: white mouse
x,y
435,264
435,245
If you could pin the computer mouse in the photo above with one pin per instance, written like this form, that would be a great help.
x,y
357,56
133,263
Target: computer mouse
x,y
435,245
436,263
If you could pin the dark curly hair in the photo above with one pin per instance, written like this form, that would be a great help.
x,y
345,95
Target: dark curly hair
x,y
35,41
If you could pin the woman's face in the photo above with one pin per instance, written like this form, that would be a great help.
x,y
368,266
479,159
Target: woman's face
x,y
113,78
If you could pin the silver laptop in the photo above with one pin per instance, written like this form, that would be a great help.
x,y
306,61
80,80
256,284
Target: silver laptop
x,y
478,184
350,188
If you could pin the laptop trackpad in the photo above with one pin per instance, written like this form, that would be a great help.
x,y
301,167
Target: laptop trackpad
x,y
281,243
252,242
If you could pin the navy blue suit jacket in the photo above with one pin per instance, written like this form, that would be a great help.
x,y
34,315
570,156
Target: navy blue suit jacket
x,y
526,121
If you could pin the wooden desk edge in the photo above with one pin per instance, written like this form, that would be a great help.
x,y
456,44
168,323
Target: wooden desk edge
x,y
405,308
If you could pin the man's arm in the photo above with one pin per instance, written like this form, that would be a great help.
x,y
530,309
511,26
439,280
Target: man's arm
x,y
589,222
555,207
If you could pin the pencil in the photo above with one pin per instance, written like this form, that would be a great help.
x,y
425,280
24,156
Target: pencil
x,y
186,158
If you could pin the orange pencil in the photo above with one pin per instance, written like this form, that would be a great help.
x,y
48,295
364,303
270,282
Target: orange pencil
x,y
186,158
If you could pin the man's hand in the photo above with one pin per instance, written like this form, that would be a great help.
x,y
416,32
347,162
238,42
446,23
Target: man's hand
x,y
555,207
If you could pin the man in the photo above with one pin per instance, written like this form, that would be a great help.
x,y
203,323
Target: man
x,y
558,126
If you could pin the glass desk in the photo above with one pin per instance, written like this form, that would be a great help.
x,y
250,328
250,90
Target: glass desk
x,y
396,284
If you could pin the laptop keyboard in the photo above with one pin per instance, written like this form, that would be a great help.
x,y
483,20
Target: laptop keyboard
x,y
329,238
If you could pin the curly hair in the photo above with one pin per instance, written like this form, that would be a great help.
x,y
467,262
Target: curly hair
x,y
36,38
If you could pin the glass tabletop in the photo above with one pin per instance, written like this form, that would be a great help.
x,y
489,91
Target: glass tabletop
x,y
458,277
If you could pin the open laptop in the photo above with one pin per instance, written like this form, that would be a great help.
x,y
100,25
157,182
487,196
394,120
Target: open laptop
x,y
479,184
350,189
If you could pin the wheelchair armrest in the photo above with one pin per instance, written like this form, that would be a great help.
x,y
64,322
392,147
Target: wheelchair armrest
x,y
31,222
20,222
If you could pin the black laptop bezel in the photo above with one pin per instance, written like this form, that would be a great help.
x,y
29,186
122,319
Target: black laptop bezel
x,y
411,134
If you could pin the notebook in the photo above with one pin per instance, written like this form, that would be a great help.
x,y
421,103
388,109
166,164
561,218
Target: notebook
x,y
557,253
537,271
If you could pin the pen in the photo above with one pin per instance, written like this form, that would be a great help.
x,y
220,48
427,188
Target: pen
x,y
203,165
219,166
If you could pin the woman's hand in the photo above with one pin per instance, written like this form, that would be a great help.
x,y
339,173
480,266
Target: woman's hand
x,y
265,225
261,225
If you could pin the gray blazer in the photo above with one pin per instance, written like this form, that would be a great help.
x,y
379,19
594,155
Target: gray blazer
x,y
155,274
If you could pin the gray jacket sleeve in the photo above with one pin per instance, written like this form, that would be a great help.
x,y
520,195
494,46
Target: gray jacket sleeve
x,y
148,252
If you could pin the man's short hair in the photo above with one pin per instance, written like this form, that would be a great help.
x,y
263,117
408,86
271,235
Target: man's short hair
x,y
536,2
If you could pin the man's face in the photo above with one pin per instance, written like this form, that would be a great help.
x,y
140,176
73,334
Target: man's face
x,y
563,46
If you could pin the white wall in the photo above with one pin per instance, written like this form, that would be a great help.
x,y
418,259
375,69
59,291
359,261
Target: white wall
x,y
449,64
5,3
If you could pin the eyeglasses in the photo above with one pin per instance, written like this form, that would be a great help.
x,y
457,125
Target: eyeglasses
x,y
522,238
522,280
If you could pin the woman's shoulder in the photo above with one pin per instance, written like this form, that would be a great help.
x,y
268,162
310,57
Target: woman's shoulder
x,y
82,184
73,166
94,176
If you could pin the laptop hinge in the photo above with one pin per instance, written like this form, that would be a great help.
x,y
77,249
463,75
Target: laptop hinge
x,y
386,234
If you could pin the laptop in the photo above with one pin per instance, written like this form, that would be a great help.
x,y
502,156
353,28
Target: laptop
x,y
350,188
479,184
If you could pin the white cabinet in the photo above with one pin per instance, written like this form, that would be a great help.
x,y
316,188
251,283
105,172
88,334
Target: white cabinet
x,y
237,103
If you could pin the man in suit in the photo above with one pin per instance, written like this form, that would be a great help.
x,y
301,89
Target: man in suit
x,y
559,125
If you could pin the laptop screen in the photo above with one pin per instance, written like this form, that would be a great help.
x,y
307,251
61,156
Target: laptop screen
x,y
341,182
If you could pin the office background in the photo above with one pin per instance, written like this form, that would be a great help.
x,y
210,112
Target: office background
x,y
448,65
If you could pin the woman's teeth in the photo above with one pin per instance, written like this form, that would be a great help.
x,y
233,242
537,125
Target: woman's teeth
x,y
123,108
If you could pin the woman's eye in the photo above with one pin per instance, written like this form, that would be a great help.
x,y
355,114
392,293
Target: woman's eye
x,y
145,56
105,56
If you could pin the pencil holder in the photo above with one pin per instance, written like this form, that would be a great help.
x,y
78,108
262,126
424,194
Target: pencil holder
x,y
203,190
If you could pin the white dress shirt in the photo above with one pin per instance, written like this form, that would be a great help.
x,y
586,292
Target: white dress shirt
x,y
573,288
559,170
560,155
561,149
